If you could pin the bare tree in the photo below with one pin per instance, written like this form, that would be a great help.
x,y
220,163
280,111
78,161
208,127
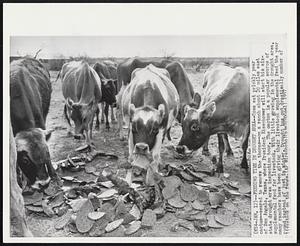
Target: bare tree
x,y
168,55
37,53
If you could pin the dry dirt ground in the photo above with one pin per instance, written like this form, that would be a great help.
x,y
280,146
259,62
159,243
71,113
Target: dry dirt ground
x,y
61,144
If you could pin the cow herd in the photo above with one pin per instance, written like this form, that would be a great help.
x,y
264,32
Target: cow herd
x,y
149,95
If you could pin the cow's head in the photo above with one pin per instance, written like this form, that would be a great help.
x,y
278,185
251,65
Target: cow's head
x,y
109,90
146,125
33,156
82,114
193,104
195,127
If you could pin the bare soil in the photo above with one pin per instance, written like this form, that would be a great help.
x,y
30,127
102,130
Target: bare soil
x,y
61,145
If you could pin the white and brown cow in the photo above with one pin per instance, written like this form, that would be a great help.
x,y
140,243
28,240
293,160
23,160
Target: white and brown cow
x,y
81,88
224,108
149,105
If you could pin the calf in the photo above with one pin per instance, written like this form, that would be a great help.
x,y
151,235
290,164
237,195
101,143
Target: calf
x,y
108,76
18,224
82,91
224,108
149,105
30,93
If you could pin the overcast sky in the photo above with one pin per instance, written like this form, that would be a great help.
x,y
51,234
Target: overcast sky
x,y
122,46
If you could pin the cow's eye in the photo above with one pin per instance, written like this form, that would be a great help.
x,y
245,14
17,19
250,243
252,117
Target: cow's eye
x,y
155,130
195,127
25,160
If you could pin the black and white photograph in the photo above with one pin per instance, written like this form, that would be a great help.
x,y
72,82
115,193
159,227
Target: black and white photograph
x,y
154,136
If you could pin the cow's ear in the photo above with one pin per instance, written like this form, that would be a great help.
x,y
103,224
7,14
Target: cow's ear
x,y
105,81
69,102
161,110
197,99
115,82
186,108
48,133
91,103
209,110
131,110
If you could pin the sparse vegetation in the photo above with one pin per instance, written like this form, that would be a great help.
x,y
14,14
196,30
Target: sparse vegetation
x,y
192,64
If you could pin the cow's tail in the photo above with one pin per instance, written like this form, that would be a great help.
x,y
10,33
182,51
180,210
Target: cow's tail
x,y
58,76
66,115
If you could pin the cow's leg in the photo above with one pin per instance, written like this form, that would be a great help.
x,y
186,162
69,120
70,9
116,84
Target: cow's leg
x,y
97,127
102,112
87,136
91,129
120,122
67,113
220,168
168,134
112,115
18,224
205,150
227,145
244,163
156,151
106,115
130,144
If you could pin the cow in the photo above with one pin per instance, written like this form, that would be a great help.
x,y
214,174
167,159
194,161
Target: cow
x,y
18,224
224,108
30,94
124,72
187,96
108,77
110,63
149,105
183,86
125,68
81,88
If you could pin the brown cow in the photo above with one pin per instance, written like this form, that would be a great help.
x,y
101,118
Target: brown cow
x,y
81,88
30,93
108,76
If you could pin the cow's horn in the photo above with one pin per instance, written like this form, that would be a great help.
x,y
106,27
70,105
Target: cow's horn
x,y
69,102
47,133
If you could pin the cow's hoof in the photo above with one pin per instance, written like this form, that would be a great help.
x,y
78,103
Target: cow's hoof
x,y
244,165
113,121
219,169
130,159
97,127
122,138
102,121
230,153
246,170
206,152
212,172
69,134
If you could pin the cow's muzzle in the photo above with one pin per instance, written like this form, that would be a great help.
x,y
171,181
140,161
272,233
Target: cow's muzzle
x,y
183,149
38,184
77,136
141,148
